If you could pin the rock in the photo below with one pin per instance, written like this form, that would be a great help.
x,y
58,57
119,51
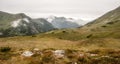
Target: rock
x,y
36,49
75,63
1,33
59,53
81,55
27,53
93,54
105,56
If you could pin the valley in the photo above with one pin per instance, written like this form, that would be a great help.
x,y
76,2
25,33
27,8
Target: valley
x,y
97,42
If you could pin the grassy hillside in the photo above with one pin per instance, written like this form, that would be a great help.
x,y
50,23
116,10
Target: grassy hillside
x,y
103,37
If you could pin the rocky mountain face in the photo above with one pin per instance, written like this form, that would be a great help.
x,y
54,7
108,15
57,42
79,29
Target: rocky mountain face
x,y
62,22
42,25
20,24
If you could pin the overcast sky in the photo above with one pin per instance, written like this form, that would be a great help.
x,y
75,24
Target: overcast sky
x,y
79,9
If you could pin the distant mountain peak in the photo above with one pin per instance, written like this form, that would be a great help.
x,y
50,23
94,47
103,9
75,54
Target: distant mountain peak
x,y
62,22
22,14
50,18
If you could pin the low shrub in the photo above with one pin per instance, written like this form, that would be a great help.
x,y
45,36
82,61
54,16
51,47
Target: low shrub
x,y
5,49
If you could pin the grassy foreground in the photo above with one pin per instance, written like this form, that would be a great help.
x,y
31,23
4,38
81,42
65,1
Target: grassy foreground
x,y
79,48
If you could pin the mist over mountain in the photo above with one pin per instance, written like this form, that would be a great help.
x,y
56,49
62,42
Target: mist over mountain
x,y
21,24
62,22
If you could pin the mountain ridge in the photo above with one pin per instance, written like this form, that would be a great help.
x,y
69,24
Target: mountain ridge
x,y
62,22
110,16
19,24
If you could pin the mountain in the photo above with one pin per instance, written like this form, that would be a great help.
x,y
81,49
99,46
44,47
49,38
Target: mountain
x,y
42,25
109,19
21,24
62,22
104,28
7,19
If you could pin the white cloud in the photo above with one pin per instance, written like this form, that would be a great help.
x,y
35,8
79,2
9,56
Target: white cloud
x,y
71,8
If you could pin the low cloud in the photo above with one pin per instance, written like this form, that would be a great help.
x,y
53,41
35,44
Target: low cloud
x,y
71,8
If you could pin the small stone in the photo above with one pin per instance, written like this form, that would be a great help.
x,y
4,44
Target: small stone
x,y
36,49
75,63
59,53
27,53
81,55
105,56
93,54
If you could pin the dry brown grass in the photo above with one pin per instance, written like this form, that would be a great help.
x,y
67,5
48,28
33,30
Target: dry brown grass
x,y
35,42
28,42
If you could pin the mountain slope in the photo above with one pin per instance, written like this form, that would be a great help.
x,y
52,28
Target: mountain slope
x,y
7,18
108,18
42,25
20,24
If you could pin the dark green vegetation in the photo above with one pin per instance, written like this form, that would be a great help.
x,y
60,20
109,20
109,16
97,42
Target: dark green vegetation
x,y
5,49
